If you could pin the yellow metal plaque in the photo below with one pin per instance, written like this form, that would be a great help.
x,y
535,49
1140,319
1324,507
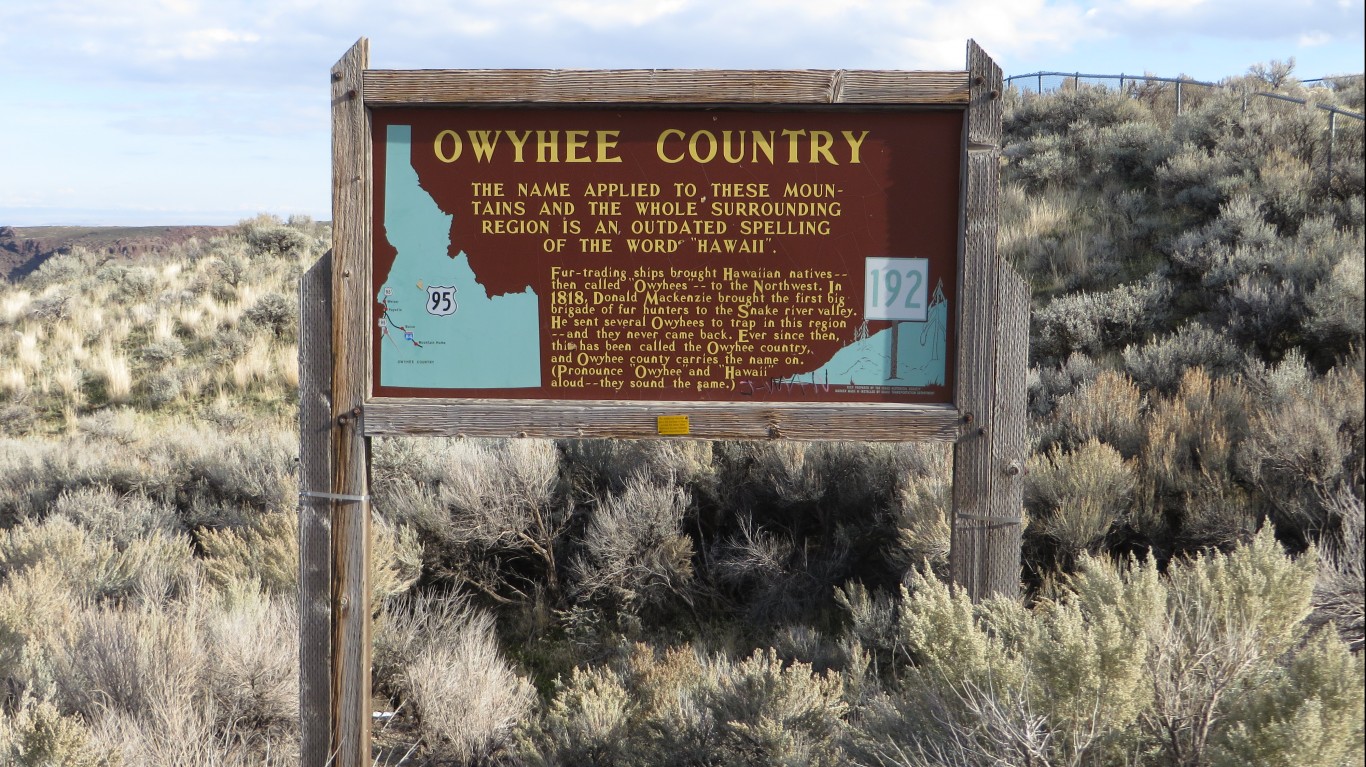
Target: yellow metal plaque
x,y
672,425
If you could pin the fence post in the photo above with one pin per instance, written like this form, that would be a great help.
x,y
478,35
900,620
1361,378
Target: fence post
x,y
1332,140
1041,83
1178,98
315,520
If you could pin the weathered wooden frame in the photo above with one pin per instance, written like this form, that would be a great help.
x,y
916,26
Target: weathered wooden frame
x,y
338,415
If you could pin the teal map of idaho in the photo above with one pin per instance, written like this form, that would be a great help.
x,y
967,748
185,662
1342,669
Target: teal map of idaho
x,y
439,329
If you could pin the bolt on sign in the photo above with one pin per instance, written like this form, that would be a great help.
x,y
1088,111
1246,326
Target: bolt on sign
x,y
710,255
649,253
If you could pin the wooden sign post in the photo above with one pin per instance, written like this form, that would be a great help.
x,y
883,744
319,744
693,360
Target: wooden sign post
x,y
650,254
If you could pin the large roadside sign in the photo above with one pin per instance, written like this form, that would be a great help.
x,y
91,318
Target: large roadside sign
x,y
668,254
724,255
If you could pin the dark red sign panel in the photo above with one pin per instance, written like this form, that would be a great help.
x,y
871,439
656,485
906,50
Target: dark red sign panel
x,y
798,256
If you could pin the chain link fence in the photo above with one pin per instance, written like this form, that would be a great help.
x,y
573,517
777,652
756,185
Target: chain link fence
x,y
1181,88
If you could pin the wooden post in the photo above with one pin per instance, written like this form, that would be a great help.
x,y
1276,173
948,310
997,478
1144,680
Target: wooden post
x,y
315,524
1010,447
980,556
351,208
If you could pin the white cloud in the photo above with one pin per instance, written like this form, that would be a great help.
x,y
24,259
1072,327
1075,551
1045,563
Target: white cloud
x,y
201,44
1230,19
605,14
1177,7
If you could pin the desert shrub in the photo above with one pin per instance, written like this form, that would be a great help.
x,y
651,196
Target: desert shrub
x,y
441,657
769,712
130,660
1061,110
644,708
1305,448
1064,685
161,389
127,282
226,478
923,510
204,678
1287,185
38,735
1131,150
1306,712
1189,495
172,734
1336,307
1194,182
162,351
17,419
597,466
1120,662
119,518
1046,236
276,314
50,308
1093,323
253,682
678,708
1109,408
1160,363
1340,591
1044,162
208,477
765,571
828,478
35,607
34,472
1047,383
73,266
490,511
591,720
1230,620
1257,283
1075,498
634,554
266,552
268,235
96,569
810,516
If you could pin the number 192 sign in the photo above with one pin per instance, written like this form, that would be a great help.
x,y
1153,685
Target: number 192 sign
x,y
896,289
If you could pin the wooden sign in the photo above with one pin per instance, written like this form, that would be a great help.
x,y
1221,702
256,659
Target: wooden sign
x,y
649,254
717,255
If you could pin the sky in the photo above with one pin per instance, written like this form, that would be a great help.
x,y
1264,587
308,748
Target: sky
x,y
167,112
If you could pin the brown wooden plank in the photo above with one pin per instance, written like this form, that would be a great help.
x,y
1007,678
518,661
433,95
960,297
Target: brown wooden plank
x,y
973,472
315,528
351,185
651,86
635,420
985,106
1009,447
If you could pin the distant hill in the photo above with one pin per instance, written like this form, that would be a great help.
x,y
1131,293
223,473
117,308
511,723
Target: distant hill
x,y
24,249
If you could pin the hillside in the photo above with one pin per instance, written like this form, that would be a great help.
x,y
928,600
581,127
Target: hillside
x,y
24,249
1192,560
